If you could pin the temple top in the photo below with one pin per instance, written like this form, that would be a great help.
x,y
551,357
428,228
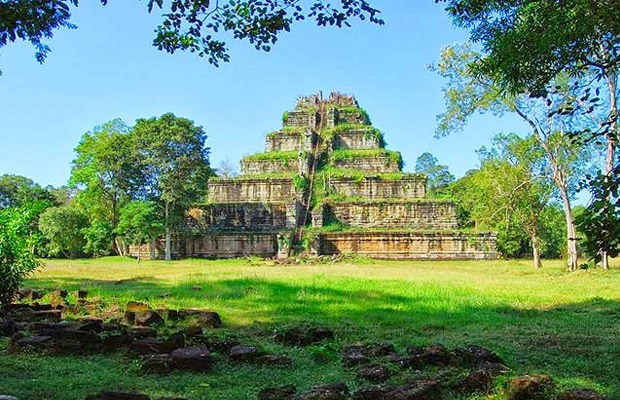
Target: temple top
x,y
335,98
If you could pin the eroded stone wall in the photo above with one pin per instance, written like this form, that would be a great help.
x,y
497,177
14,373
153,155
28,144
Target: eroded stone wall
x,y
376,164
289,141
228,245
351,117
356,139
256,167
242,217
377,188
411,245
215,245
144,252
236,190
301,118
378,214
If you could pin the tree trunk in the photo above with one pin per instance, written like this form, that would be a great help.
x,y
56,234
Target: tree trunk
x,y
536,251
605,261
117,246
139,251
611,140
152,247
571,231
168,256
119,249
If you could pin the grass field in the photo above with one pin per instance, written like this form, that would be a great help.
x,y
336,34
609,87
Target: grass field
x,y
563,324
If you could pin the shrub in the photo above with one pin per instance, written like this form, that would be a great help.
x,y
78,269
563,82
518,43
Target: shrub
x,y
301,183
360,113
274,156
64,228
140,222
99,239
351,154
16,258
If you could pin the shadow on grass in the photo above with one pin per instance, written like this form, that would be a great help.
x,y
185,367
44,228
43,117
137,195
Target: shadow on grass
x,y
574,343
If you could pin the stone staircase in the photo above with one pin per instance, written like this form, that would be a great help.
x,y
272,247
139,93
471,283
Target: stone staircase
x,y
326,184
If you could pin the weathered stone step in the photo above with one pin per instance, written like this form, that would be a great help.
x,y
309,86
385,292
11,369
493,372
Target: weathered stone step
x,y
300,118
357,137
377,187
435,215
235,190
221,245
268,163
369,160
301,139
255,217
409,245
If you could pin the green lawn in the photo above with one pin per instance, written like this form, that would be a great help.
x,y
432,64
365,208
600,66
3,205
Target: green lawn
x,y
563,324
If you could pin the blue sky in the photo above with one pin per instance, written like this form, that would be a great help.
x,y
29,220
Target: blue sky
x,y
107,68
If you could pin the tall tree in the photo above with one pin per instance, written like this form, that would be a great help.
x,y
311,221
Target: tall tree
x,y
197,26
438,176
529,43
16,190
600,221
506,192
226,169
567,157
64,227
175,162
107,170
140,223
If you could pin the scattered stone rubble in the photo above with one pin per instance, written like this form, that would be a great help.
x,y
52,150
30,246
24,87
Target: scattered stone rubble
x,y
466,370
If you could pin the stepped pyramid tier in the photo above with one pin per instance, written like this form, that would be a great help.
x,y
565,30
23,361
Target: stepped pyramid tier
x,y
326,184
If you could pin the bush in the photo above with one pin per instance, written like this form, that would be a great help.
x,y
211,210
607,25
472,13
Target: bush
x,y
99,239
64,228
16,258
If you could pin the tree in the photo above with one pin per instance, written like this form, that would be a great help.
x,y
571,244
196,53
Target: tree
x,y
567,157
600,221
529,43
20,192
553,231
63,195
189,25
175,163
16,259
100,238
140,223
226,169
107,170
438,176
16,190
63,228
507,194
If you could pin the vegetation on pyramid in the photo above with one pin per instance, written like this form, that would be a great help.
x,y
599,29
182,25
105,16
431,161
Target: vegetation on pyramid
x,y
326,184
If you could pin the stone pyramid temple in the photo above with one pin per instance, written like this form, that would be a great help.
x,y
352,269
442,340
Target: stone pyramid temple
x,y
326,185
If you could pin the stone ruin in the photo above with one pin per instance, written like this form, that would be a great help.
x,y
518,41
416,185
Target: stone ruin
x,y
325,185
163,341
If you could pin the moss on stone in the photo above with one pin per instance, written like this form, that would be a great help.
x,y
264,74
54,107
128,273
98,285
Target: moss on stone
x,y
290,130
355,111
368,130
350,154
266,175
339,199
273,156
